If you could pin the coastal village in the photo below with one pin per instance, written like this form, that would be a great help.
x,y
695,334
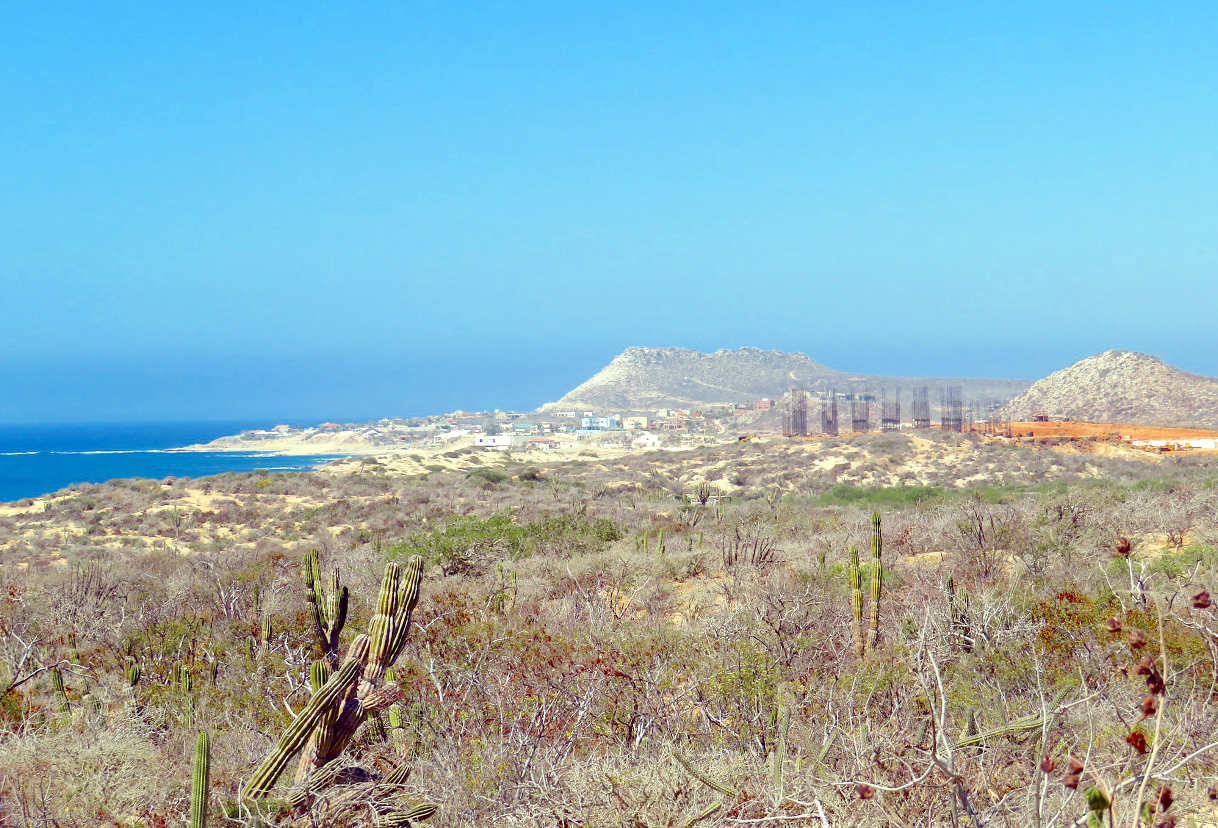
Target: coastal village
x,y
557,430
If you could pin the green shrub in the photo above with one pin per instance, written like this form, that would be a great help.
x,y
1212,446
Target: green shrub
x,y
880,497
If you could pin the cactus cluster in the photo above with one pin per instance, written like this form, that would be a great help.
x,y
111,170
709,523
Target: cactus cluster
x,y
329,606
345,698
877,587
642,544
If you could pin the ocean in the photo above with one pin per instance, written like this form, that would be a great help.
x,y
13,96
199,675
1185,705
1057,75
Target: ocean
x,y
40,459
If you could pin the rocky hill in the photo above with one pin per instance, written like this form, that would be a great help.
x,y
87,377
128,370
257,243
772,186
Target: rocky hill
x,y
1122,387
643,378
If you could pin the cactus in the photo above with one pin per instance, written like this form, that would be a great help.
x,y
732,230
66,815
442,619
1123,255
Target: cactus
x,y
333,693
133,674
352,694
856,604
329,606
394,712
186,680
877,577
268,630
384,801
780,720
60,692
957,613
199,783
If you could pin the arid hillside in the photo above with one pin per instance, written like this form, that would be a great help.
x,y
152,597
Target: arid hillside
x,y
643,378
1122,387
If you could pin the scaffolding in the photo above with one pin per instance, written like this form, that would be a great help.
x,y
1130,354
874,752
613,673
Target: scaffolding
x,y
828,415
951,415
921,407
795,414
860,413
890,411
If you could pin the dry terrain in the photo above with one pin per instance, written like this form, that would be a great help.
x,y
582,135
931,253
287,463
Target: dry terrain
x,y
1122,387
645,639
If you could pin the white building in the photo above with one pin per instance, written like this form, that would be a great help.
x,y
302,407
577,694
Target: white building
x,y
646,441
497,442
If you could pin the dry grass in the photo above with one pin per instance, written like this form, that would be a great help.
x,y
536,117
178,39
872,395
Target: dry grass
x,y
567,651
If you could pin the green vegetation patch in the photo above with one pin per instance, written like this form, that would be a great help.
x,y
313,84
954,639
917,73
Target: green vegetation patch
x,y
470,544
881,496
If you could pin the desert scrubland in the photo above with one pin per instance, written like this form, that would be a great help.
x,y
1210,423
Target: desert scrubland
x,y
660,639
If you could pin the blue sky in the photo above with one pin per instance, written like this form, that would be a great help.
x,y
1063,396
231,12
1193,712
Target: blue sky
x,y
355,210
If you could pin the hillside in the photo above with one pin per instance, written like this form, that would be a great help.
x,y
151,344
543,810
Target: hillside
x,y
1122,387
642,378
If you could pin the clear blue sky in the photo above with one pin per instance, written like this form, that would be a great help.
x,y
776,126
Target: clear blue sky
x,y
330,210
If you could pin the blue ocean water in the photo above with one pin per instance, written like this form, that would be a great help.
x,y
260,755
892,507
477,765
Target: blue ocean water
x,y
39,459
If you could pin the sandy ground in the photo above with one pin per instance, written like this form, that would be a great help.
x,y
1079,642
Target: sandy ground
x,y
1077,429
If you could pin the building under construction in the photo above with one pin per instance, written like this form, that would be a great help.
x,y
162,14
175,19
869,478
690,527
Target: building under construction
x,y
828,415
951,409
795,414
890,411
921,407
860,412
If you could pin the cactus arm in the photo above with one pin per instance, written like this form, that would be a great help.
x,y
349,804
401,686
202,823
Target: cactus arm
x,y
333,693
408,598
199,782
381,627
60,692
339,617
856,604
312,581
329,606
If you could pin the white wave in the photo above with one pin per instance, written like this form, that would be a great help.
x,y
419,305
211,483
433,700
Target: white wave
x,y
17,453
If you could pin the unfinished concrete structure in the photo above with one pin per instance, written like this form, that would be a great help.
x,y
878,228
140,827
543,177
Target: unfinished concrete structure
x,y
828,415
890,411
951,409
921,407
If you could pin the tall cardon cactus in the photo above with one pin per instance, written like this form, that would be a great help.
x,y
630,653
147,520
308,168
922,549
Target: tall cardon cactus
x,y
199,782
861,634
856,604
877,576
329,606
352,693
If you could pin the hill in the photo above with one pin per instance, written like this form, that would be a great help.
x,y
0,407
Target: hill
x,y
643,378
1122,387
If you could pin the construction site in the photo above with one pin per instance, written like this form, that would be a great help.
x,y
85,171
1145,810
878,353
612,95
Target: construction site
x,y
802,410
834,407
